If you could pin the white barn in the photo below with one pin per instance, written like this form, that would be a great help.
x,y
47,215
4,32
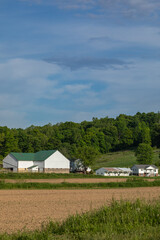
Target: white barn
x,y
43,161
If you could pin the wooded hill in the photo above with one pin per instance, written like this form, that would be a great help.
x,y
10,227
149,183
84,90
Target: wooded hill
x,y
100,135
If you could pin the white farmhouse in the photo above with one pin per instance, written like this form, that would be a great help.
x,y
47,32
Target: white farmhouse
x,y
113,171
42,161
145,170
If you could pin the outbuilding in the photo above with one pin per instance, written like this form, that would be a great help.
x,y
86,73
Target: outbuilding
x,y
113,171
43,161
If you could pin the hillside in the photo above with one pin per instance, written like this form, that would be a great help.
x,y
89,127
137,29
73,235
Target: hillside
x,y
120,159
88,138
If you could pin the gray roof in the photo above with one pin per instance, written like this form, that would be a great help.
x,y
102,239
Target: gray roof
x,y
116,169
144,166
126,169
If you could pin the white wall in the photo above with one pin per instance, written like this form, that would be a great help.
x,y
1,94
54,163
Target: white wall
x,y
124,174
152,171
25,164
10,162
57,160
40,165
34,169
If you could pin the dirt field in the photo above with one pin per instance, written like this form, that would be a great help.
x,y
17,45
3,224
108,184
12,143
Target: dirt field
x,y
72,180
69,180
28,209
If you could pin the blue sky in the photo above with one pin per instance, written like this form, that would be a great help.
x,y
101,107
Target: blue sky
x,y
71,60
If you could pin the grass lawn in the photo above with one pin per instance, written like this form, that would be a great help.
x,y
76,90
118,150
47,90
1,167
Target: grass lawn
x,y
121,159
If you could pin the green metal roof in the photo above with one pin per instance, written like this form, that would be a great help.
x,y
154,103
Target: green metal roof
x,y
38,156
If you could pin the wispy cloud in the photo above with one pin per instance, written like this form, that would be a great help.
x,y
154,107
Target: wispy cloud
x,y
88,62
70,4
124,7
131,7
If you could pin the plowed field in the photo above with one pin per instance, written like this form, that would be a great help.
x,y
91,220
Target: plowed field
x,y
28,209
73,180
69,180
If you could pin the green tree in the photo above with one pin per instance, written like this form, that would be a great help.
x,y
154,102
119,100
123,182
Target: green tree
x,y
144,153
87,154
10,143
125,135
156,134
145,133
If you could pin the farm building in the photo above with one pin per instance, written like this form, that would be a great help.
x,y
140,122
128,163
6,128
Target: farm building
x,y
145,170
42,161
114,171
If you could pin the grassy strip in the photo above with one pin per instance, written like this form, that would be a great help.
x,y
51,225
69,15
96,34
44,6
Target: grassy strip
x,y
12,175
64,185
119,221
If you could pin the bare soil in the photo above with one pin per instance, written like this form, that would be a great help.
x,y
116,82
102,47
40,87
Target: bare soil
x,y
69,180
72,180
28,209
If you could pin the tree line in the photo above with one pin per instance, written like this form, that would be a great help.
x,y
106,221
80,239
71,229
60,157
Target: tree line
x,y
98,136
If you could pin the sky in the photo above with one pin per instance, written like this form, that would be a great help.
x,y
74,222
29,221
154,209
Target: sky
x,y
72,60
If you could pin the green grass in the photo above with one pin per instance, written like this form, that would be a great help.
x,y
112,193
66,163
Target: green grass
x,y
121,159
138,220
11,175
131,182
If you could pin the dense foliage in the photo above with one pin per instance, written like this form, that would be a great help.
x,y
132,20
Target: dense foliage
x,y
144,153
121,220
99,135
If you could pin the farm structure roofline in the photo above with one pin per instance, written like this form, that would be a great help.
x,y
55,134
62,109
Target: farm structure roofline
x,y
38,156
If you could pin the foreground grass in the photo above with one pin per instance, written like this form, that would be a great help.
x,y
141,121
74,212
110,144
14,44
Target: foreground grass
x,y
121,220
131,182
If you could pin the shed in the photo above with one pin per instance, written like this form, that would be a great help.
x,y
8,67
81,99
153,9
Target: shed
x,y
113,171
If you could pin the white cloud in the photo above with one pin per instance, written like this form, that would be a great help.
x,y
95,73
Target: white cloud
x,y
22,83
74,95
26,76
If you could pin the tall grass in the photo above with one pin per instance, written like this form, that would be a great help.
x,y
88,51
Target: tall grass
x,y
121,220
